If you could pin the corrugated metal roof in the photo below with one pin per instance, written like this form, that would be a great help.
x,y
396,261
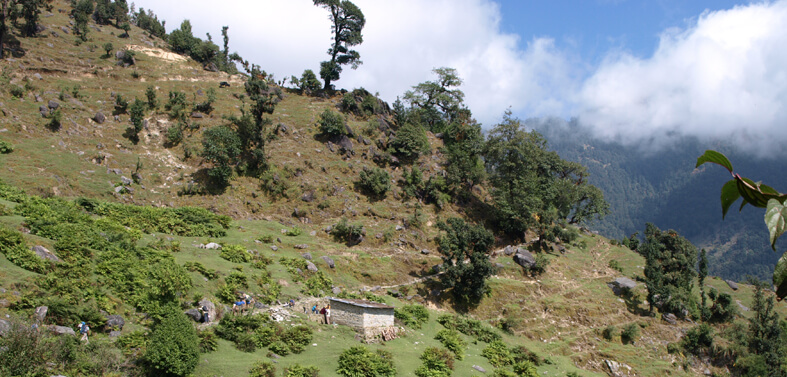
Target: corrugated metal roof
x,y
362,303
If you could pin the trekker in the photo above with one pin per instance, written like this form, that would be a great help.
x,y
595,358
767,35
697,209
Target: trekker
x,y
314,309
328,315
84,329
205,314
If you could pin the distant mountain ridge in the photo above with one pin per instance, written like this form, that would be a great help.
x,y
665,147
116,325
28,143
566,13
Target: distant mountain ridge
x,y
663,187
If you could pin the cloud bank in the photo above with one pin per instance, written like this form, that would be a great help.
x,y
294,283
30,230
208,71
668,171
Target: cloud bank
x,y
723,76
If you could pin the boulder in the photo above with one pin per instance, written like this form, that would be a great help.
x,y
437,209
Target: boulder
x,y
525,259
53,104
40,314
62,330
308,197
307,256
625,283
509,250
194,314
345,144
329,261
274,248
114,322
425,251
210,246
210,309
310,266
336,290
670,318
211,67
732,284
5,326
45,254
44,111
478,368
197,115
617,369
301,246
100,118
125,181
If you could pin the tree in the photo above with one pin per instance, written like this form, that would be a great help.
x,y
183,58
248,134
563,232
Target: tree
x,y
347,21
222,147
669,270
6,14
174,346
253,126
758,195
136,114
410,142
149,21
463,242
702,270
120,13
182,40
765,335
81,13
437,103
463,146
31,10
103,12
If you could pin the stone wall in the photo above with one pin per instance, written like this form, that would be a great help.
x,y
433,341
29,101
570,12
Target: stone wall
x,y
346,314
378,317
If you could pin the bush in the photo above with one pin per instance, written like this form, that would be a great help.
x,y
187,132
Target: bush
x,y
55,118
297,338
150,94
108,47
698,339
470,327
263,369
136,115
610,332
350,234
121,105
207,341
413,316
174,135
525,369
498,354
280,348
437,362
615,265
18,347
174,346
308,83
375,182
630,333
453,342
332,123
542,262
298,370
14,247
723,310
359,361
410,142
6,147
17,91
235,254
176,105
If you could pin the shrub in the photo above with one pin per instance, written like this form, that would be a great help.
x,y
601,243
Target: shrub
x,y
615,265
6,147
121,105
207,106
298,370
410,142
610,332
525,369
359,361
108,47
20,345
452,341
17,91
237,279
55,118
297,338
174,346
207,341
263,369
265,336
542,262
246,342
280,348
308,83
150,94
331,123
375,182
14,247
235,254
497,353
697,339
413,316
630,333
499,372
176,105
136,115
174,135
723,310
437,362
350,234
521,353
294,232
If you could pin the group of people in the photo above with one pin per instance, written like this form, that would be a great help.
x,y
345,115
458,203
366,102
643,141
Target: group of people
x,y
325,311
242,304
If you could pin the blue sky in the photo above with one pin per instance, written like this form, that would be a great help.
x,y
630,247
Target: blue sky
x,y
628,70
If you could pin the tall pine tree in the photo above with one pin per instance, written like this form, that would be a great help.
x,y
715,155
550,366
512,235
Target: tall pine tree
x,y
670,262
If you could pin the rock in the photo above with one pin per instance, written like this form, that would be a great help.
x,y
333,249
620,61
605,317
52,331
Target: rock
x,y
345,144
114,334
310,266
100,118
307,256
618,369
4,303
209,309
313,233
43,110
509,250
399,228
329,261
500,266
621,284
308,197
745,309
330,146
211,67
274,248
43,253
197,115
525,259
336,290
425,251
210,246
62,330
38,76
40,313
5,326
53,104
125,181
670,318
194,314
301,246
114,322
478,368
119,189
732,284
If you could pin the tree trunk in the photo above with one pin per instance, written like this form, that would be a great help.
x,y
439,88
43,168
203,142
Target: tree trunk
x,y
3,12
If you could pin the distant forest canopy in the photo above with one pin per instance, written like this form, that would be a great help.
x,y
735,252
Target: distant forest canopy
x,y
663,187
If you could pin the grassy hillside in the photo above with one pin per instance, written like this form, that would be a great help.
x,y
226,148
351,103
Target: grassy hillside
x,y
72,174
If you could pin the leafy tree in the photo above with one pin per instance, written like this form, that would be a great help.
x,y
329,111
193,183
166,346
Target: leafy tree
x,y
108,47
437,103
174,346
464,145
149,21
120,14
182,40
410,142
462,242
758,195
669,270
359,361
103,12
6,14
81,14
222,147
347,21
308,82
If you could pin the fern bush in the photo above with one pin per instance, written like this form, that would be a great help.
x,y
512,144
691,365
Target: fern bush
x,y
453,342
436,362
359,361
263,369
497,353
6,147
413,316
235,253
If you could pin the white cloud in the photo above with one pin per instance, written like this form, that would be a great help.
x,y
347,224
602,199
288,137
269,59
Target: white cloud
x,y
725,77
403,41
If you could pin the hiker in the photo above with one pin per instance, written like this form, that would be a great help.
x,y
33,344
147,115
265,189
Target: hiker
x,y
314,309
326,311
292,303
238,306
84,329
205,314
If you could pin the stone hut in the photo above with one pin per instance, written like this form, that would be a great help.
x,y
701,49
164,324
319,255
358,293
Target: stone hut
x,y
372,319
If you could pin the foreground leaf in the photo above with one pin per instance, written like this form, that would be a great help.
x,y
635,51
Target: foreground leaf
x,y
716,158
775,216
729,194
780,277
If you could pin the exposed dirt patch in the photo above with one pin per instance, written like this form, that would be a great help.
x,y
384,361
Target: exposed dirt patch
x,y
158,53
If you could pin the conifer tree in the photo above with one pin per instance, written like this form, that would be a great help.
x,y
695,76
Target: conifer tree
x,y
347,21
669,270
703,273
